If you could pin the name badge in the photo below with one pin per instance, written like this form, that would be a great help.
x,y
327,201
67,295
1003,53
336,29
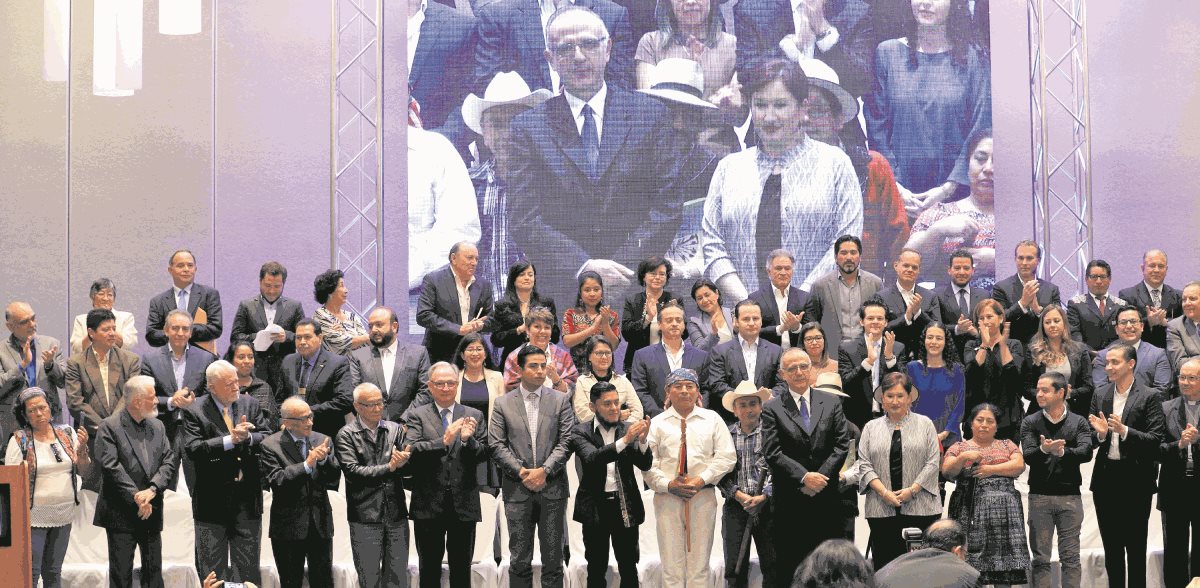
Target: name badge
x,y
302,392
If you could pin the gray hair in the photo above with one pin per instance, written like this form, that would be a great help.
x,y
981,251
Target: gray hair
x,y
102,284
442,365
779,253
178,312
364,388
217,369
138,386
292,405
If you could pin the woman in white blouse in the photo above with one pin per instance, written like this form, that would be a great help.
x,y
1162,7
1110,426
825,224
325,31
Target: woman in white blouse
x,y
898,459
103,294
342,329
56,455
599,368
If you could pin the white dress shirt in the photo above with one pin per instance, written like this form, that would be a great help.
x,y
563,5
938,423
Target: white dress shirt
x,y
269,309
674,359
387,357
710,451
608,435
1119,399
464,297
414,32
597,103
781,302
908,295
750,355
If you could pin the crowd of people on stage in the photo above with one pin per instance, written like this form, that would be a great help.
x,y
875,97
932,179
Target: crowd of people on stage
x,y
788,404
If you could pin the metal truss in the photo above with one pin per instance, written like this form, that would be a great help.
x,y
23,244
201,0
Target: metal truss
x,y
1061,136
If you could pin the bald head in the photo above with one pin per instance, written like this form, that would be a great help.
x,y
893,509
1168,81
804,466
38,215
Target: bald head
x,y
578,47
20,319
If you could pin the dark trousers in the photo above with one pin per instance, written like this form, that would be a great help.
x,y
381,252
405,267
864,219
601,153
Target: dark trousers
x,y
1123,516
290,555
596,539
380,553
1179,525
886,542
821,517
230,549
120,558
449,536
734,519
548,518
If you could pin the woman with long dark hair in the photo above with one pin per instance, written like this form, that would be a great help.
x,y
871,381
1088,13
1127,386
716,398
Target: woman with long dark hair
x,y
938,374
589,317
520,295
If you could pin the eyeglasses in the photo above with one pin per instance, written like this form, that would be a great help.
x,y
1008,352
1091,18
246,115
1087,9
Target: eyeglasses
x,y
1097,277
814,339
796,368
586,45
602,353
1129,322
307,417
370,404
1189,379
443,385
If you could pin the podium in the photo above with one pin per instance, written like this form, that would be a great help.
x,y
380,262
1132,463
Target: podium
x,y
16,558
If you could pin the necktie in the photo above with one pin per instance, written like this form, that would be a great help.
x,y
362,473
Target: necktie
x,y
303,448
964,304
445,419
804,416
683,453
590,138
183,297
31,369
770,225
1156,298
896,462
1102,307
304,374
875,367
531,411
228,420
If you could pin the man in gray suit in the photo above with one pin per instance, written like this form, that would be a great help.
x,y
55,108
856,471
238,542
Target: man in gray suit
x,y
1183,332
138,464
269,308
1153,369
836,296
28,359
529,433
398,369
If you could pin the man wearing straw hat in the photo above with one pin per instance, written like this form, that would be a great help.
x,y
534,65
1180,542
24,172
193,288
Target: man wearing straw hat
x,y
684,500
747,490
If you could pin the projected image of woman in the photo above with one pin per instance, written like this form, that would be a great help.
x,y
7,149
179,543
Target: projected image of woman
x,y
789,192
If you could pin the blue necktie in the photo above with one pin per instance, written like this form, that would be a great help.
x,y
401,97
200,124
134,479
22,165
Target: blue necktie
x,y
445,418
590,138
31,369
183,296
804,413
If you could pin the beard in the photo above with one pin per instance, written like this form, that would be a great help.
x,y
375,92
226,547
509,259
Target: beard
x,y
150,414
384,340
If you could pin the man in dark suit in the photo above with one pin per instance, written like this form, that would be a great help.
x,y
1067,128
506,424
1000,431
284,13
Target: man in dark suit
x,y
1127,419
805,441
836,297
1158,301
178,372
1153,368
782,304
439,66
653,363
1179,479
185,294
863,361
453,303
137,464
447,445
264,312
513,33
746,357
320,378
222,432
397,368
28,359
1024,295
609,501
298,467
910,307
595,151
958,299
529,430
1093,316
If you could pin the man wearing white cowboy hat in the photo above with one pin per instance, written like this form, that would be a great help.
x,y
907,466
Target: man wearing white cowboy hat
x,y
507,95
805,441
747,489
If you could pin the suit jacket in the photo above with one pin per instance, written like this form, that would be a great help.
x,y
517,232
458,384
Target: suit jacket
x,y
700,332
1001,385
438,312
51,377
300,500
201,296
1087,326
856,381
1081,382
441,65
511,39
126,471
126,326
1176,492
589,446
1143,415
330,388
251,318
507,317
157,364
509,438
85,388
726,368
651,368
409,374
823,300
1183,342
771,313
909,333
927,567
1024,323
439,470
948,303
1153,370
792,451
633,193
633,330
227,481
1172,302
373,493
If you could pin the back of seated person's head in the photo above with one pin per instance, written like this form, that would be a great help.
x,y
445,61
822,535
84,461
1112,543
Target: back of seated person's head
x,y
835,563
946,535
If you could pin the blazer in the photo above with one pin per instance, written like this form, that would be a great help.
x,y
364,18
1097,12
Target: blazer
x,y
438,312
1153,370
726,368
1024,323
441,64
635,332
1175,490
1172,302
1001,385
300,500
792,451
372,491
156,363
1087,326
651,368
1143,415
201,297
909,333
700,332
50,376
634,189
771,313
509,438
227,481
330,388
1183,341
506,317
85,388
589,446
823,299
1081,382
947,299
409,376
251,318
126,326
511,39
126,471
439,470
856,381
